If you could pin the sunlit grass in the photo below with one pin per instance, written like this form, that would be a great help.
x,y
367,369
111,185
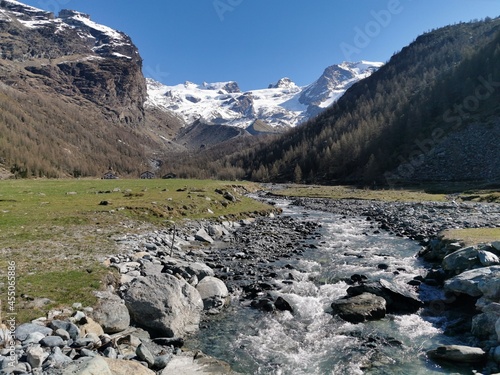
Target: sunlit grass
x,y
473,236
58,230
347,192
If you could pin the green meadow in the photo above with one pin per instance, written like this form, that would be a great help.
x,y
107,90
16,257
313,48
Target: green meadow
x,y
58,232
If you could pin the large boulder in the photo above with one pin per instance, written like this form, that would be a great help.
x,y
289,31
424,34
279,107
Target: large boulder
x,y
476,283
457,353
111,313
165,304
360,308
399,298
461,260
214,293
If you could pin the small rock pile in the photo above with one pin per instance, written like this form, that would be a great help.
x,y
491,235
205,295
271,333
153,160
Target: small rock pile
x,y
471,279
80,345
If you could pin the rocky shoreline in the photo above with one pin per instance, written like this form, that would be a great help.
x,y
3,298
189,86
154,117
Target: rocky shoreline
x,y
168,284
469,276
170,280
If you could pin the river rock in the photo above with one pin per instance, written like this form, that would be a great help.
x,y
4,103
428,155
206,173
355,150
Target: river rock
x,y
52,341
91,327
71,328
33,338
62,333
496,245
83,366
399,298
216,230
57,358
360,308
457,353
36,356
283,305
165,304
111,313
123,367
483,325
461,260
189,363
145,355
203,236
23,330
213,292
477,282
487,258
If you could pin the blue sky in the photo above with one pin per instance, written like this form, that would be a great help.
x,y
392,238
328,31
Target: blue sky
x,y
257,42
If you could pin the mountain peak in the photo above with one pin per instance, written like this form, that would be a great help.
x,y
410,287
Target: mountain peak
x,y
284,83
82,20
335,80
229,87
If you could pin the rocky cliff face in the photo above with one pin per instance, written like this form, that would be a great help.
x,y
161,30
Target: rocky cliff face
x,y
72,98
74,56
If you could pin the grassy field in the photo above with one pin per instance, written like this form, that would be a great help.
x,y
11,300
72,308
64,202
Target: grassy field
x,y
348,192
58,231
473,236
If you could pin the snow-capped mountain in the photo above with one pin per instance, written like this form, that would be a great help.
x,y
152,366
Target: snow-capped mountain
x,y
71,54
282,104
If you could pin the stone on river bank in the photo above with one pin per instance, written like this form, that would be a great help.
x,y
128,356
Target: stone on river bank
x,y
111,313
213,292
164,304
461,260
476,283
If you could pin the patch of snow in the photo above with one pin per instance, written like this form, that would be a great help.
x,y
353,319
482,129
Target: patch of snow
x,y
113,34
121,55
35,24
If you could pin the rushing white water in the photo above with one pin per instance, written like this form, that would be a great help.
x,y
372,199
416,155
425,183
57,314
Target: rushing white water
x,y
313,341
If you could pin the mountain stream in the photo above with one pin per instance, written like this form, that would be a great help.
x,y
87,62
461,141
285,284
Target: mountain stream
x,y
313,341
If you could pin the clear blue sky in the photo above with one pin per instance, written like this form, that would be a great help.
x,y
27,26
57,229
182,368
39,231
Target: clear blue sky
x,y
257,42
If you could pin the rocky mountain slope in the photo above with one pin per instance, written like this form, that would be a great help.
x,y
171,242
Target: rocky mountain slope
x,y
430,114
72,97
73,56
281,105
